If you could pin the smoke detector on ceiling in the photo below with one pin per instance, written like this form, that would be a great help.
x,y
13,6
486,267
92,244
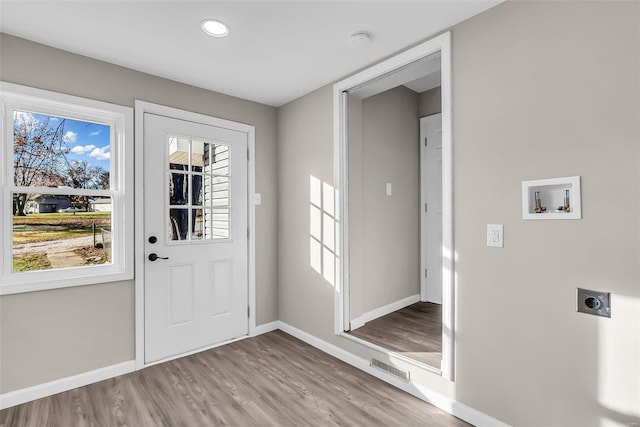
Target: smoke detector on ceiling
x,y
360,38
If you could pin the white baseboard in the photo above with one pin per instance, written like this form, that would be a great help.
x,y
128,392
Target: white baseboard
x,y
438,400
267,327
449,405
383,311
28,394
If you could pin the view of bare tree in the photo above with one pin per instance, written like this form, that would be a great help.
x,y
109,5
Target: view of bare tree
x,y
39,154
40,158
80,174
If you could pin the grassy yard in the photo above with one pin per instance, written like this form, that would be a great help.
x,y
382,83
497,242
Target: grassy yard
x,y
31,262
56,226
86,218
39,261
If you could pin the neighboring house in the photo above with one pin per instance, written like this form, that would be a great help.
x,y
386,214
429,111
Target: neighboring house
x,y
47,204
100,205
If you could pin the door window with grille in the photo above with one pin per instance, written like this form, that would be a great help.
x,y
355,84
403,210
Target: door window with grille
x,y
198,190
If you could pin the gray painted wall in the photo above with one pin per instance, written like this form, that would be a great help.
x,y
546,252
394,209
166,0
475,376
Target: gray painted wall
x,y
430,102
305,148
551,89
54,334
540,90
382,229
50,335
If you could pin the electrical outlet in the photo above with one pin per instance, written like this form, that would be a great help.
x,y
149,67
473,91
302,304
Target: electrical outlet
x,y
593,302
495,235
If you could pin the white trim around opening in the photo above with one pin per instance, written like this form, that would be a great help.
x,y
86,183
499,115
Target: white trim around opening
x,y
28,101
442,44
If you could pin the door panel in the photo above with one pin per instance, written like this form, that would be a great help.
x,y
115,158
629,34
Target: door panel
x,y
181,292
431,188
196,204
221,287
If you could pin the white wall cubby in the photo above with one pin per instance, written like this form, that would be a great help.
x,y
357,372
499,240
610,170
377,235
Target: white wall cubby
x,y
552,198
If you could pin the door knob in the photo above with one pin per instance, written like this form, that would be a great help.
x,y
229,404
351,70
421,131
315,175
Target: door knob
x,y
153,257
153,239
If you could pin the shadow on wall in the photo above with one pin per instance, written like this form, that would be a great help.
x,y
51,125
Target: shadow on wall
x,y
323,226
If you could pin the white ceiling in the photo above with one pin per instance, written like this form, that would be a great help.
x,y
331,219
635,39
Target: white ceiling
x,y
276,52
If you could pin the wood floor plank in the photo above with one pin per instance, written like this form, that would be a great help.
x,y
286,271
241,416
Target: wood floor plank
x,y
270,380
414,331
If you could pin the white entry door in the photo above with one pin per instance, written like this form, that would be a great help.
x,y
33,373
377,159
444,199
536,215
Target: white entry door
x,y
195,230
431,223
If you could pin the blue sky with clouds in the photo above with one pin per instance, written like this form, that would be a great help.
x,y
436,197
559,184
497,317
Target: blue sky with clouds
x,y
86,141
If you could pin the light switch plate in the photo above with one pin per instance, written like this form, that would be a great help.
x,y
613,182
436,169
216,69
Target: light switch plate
x,y
257,199
495,235
389,189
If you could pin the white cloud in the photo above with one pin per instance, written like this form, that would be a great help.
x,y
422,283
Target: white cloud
x,y
82,149
70,136
96,133
101,153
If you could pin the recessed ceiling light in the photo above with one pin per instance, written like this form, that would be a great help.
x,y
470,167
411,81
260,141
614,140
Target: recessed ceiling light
x,y
215,28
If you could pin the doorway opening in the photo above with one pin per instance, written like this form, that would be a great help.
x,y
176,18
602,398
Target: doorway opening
x,y
395,199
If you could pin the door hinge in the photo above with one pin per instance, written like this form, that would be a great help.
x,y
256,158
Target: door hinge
x,y
425,272
248,155
248,311
425,207
248,232
425,141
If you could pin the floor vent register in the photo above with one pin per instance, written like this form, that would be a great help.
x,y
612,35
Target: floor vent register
x,y
403,375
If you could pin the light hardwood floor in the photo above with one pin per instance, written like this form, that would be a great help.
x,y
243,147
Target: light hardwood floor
x,y
270,380
414,331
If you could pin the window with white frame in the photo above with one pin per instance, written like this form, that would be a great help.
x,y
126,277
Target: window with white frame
x,y
67,184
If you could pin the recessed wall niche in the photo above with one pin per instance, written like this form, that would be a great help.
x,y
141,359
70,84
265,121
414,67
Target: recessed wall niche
x,y
553,198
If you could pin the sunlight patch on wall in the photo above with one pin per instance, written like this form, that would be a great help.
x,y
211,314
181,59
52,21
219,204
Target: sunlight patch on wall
x,y
323,248
618,354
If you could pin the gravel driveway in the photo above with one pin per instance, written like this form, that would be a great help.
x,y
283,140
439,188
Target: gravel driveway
x,y
52,245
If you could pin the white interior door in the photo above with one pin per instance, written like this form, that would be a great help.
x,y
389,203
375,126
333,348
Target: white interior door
x,y
196,221
431,195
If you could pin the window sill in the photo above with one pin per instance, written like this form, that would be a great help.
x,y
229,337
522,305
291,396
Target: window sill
x,y
43,280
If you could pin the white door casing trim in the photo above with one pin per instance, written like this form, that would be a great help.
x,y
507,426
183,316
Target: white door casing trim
x,y
142,107
441,43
